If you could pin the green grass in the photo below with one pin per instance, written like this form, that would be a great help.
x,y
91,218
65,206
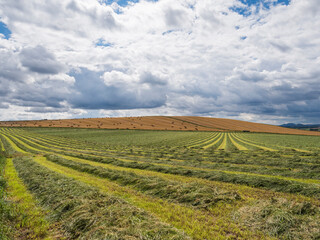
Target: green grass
x,y
83,211
21,218
282,219
282,140
5,207
193,194
283,184
124,137
220,185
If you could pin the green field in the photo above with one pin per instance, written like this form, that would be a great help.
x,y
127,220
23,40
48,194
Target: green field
x,y
138,184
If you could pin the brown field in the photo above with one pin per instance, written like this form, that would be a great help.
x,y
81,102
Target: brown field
x,y
160,123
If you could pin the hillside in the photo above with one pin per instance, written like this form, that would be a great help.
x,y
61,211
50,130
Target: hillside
x,y
160,123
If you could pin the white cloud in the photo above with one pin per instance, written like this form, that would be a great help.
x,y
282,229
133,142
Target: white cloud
x,y
199,57
116,78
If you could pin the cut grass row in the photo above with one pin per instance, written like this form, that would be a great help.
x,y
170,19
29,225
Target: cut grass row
x,y
239,139
106,136
205,143
275,183
263,171
84,212
110,153
215,141
286,141
192,194
20,218
197,224
100,162
268,229
236,168
198,229
249,169
254,143
68,148
77,215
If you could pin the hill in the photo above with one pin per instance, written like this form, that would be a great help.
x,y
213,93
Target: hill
x,y
160,123
301,126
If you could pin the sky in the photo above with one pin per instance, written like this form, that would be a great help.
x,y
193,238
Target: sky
x,y
252,60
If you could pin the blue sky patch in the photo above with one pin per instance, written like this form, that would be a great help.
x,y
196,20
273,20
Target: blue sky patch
x,y
122,3
102,43
246,11
5,30
168,32
267,4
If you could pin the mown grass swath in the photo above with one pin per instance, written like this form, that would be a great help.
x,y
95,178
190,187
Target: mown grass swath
x,y
5,208
282,184
192,193
83,211
239,184
21,218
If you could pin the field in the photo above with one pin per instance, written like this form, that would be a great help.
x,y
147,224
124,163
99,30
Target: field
x,y
166,123
66,183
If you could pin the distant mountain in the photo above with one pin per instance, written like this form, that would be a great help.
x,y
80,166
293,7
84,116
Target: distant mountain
x,y
299,125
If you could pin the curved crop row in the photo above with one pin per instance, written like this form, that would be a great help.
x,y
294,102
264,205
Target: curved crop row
x,y
170,160
276,183
179,185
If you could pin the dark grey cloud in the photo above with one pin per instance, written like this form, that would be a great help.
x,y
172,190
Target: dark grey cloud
x,y
286,94
4,89
90,92
45,93
10,68
39,59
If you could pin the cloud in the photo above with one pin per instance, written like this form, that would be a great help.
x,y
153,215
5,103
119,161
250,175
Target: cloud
x,y
152,80
114,90
185,57
38,59
175,17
